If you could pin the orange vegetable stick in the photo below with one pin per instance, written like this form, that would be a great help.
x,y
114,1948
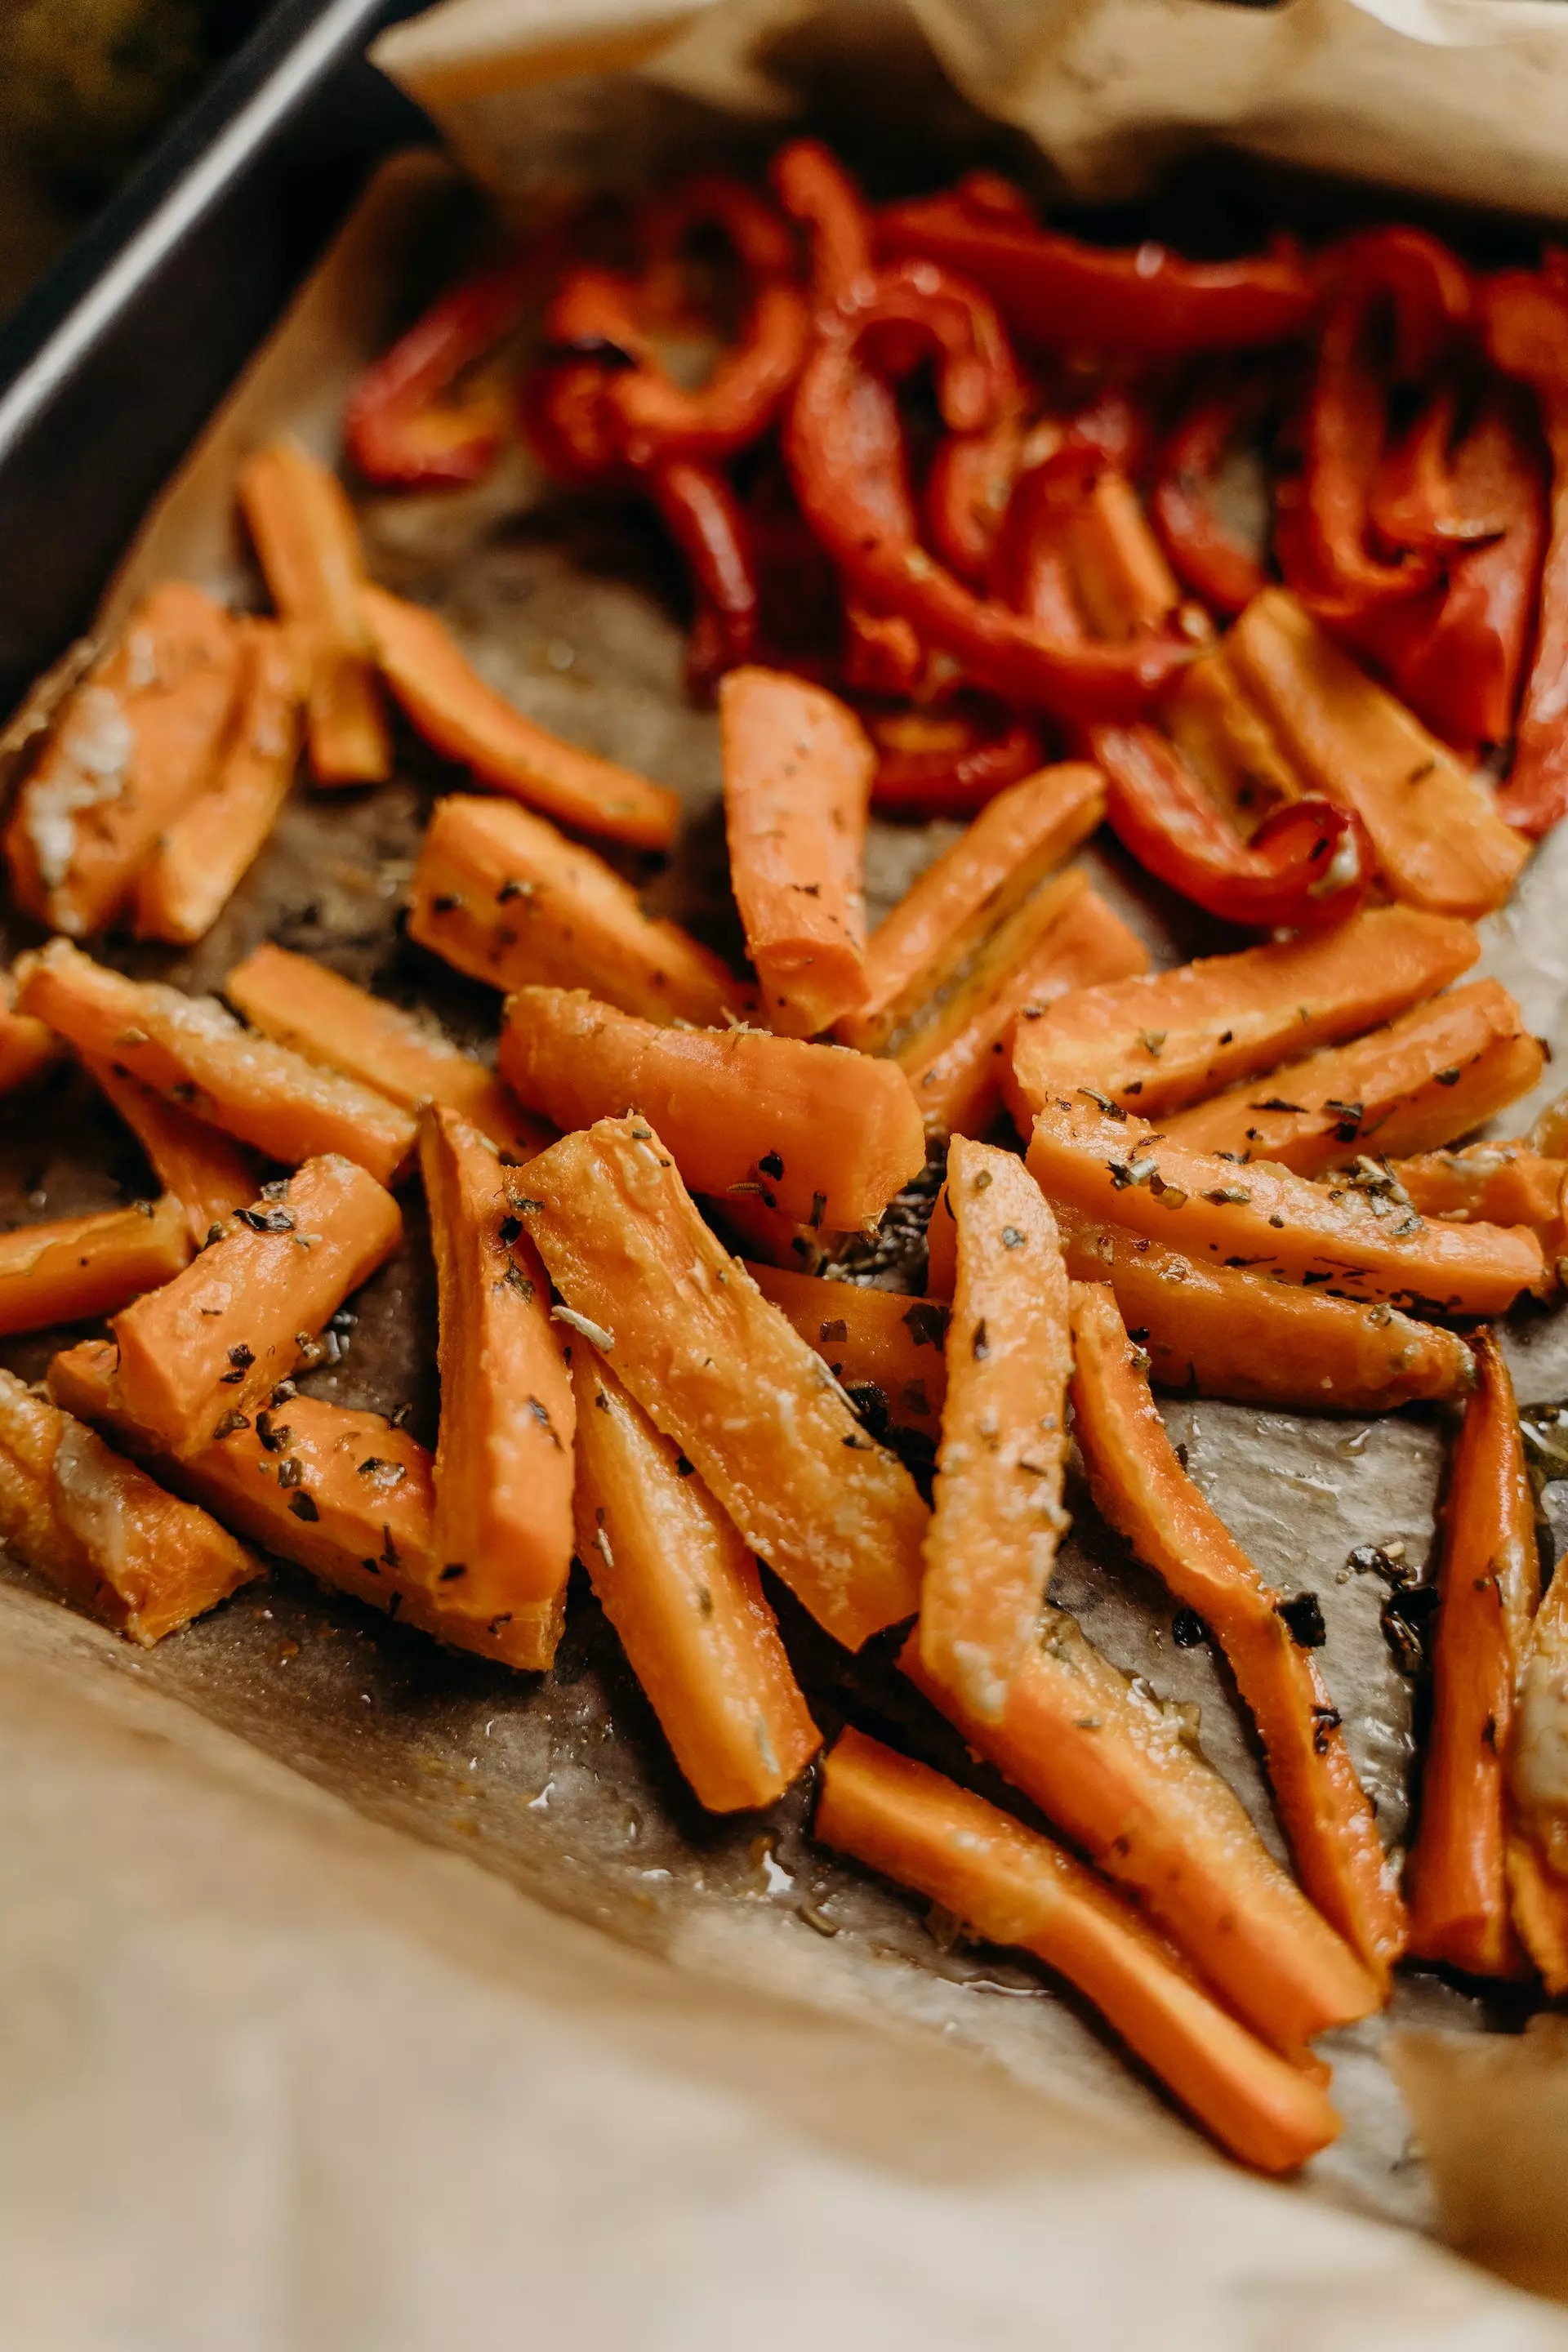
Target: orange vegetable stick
x,y
1436,833
1227,744
1549,1136
132,747
209,1176
1225,1331
308,539
1119,1170
724,1374
1117,567
323,1017
868,1339
682,1592
1142,1489
203,1350
1540,1899
823,1134
1500,1184
504,1461
1176,1037
28,1048
942,1249
797,780
992,1541
203,856
1538,1790
1104,1761
102,1532
79,1268
1487,1587
1434,1074
466,720
761,1234
1016,841
508,900
190,1049
1017,1888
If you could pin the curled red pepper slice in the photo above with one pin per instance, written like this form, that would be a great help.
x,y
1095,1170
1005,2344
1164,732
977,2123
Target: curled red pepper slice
x,y
399,429
948,766
1525,316
705,520
1203,554
591,330
972,475
815,189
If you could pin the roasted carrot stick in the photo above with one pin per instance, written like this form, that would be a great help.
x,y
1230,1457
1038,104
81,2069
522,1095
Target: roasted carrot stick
x,y
207,1174
28,1048
1438,838
134,746
1119,571
824,1134
756,1232
1017,1888
1177,1037
868,1339
1225,1331
1488,1586
508,900
100,1529
308,539
1017,840
1119,1170
942,1249
203,1350
1142,1489
464,718
1504,1183
77,1268
1227,744
202,857
724,1374
1436,1073
1549,1136
682,1592
1107,1764
1538,1792
190,1049
504,1461
997,1517
323,1017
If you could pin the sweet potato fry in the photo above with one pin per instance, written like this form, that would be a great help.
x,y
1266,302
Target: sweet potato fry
x,y
1177,1037
503,1461
29,1049
1118,1170
1104,1761
1227,744
210,1176
132,749
109,1540
1502,1183
868,1339
724,1374
467,719
998,1516
202,857
205,1349
1142,1489
1435,830
824,1135
1538,1790
682,1592
329,1022
1436,1073
508,900
191,1050
307,540
1019,1889
1487,1587
1015,843
77,1268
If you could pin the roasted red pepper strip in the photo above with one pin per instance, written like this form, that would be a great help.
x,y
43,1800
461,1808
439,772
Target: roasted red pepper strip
x,y
591,330
704,519
1202,555
947,766
815,189
972,475
1525,316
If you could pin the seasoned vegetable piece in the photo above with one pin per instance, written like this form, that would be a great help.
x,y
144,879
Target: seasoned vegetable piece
x,y
28,1048
682,1592
820,1133
206,1348
1490,1184
189,1048
1488,1586
1436,1073
209,1175
723,1374
1119,1170
131,749
1016,1887
998,1515
508,900
1177,1037
1142,1489
456,710
1117,565
1228,745
1538,1787
870,1339
319,1015
81,1267
503,1461
202,856
307,540
112,1542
